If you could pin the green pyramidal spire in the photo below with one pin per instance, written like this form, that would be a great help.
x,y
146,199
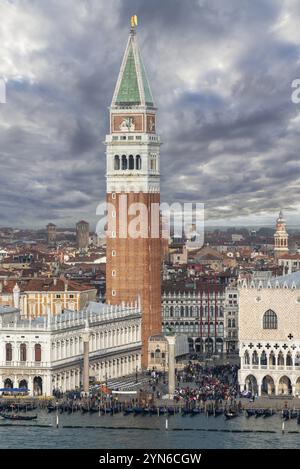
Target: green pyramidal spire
x,y
132,87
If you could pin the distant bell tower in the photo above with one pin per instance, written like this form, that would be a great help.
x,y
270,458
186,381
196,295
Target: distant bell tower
x,y
82,235
280,237
133,266
51,234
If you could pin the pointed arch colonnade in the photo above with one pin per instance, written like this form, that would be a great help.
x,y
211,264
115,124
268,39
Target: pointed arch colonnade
x,y
272,369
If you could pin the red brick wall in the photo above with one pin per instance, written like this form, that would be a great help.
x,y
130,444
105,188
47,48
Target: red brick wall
x,y
138,270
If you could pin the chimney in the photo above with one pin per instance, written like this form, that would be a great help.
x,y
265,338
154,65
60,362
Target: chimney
x,y
55,282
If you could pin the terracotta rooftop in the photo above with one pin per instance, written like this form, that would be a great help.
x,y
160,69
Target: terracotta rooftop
x,y
44,285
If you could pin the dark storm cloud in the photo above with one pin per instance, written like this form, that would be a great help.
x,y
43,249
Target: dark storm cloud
x,y
221,75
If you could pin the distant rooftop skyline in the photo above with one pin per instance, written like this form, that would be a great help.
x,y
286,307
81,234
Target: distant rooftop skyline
x,y
220,73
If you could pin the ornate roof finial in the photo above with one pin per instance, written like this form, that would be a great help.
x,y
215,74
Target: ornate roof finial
x,y
134,23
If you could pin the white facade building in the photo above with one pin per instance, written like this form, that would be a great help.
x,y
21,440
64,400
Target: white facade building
x,y
47,353
269,336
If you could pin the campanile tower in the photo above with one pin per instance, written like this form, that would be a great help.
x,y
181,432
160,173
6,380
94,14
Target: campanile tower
x,y
133,267
281,237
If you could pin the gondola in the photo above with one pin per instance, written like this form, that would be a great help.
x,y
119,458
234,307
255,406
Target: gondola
x,y
230,414
93,410
146,411
218,412
18,417
250,412
196,411
138,410
107,410
268,413
259,413
163,410
172,410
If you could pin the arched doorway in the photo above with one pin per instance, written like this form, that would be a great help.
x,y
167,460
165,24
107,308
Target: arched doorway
x,y
268,385
37,386
285,385
219,345
8,383
209,345
251,384
23,384
198,345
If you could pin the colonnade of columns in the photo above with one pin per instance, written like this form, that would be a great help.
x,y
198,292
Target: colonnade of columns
x,y
102,371
106,339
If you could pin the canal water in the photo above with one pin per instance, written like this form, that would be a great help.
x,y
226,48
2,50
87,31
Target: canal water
x,y
149,432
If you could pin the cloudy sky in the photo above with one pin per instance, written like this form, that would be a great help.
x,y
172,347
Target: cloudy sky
x,y
221,74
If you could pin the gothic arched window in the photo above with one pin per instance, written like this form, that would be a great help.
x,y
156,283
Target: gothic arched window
x,y
270,320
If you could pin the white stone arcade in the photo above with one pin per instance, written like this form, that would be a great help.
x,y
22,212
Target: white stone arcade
x,y
47,353
269,336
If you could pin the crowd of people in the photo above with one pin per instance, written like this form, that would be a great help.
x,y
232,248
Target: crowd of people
x,y
200,384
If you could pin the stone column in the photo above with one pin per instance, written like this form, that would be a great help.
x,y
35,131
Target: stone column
x,y
86,340
171,342
30,385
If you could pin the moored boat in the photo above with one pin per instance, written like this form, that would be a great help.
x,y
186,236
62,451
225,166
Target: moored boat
x,y
268,413
18,417
229,414
259,413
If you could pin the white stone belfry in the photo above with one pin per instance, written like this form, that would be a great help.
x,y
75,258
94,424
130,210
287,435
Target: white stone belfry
x,y
280,237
